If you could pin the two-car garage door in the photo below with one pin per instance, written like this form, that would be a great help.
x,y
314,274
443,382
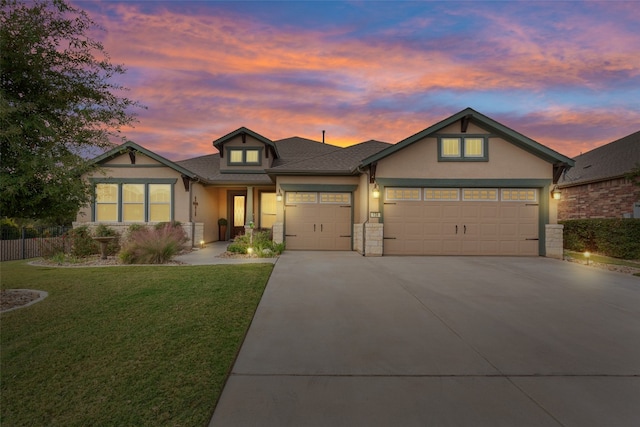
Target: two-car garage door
x,y
461,221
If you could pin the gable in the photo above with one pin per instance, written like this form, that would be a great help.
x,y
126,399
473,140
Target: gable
x,y
422,159
131,155
494,150
245,151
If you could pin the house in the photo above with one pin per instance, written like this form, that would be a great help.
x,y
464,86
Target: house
x,y
597,187
467,185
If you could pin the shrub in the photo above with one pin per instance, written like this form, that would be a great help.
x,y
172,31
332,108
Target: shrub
x,y
52,247
82,245
131,230
10,230
616,237
172,224
262,244
153,246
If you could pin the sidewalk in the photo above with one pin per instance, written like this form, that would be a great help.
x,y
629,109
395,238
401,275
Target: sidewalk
x,y
209,255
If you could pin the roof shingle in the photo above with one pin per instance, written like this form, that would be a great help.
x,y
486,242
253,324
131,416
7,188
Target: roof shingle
x,y
609,161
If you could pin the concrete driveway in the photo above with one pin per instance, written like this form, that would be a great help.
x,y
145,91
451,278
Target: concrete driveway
x,y
343,340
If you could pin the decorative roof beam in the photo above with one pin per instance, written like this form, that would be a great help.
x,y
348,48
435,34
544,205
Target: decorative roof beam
x,y
464,123
185,182
558,168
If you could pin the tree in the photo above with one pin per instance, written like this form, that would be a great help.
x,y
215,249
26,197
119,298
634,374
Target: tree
x,y
634,174
57,104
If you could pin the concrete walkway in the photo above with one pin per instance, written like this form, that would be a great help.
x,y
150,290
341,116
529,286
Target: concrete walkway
x,y
343,340
209,256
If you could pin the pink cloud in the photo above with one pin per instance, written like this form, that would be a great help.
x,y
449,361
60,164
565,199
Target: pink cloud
x,y
204,75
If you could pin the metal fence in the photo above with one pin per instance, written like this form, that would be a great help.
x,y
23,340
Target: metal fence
x,y
28,242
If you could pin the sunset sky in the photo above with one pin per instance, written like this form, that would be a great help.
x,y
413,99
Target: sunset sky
x,y
566,74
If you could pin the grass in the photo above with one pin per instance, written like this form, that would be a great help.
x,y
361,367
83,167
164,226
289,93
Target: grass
x,y
602,259
115,346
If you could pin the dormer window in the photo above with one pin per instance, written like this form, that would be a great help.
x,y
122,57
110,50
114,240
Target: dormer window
x,y
460,149
245,156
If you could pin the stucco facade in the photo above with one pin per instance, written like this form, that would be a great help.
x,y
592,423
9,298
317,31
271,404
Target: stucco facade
x,y
321,197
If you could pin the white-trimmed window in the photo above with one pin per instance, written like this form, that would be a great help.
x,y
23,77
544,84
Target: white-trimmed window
x,y
106,202
440,194
519,195
397,193
463,148
480,194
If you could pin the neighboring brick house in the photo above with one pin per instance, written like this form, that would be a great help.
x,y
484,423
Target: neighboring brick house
x,y
596,187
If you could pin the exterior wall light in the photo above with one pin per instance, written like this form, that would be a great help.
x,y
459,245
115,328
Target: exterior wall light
x,y
555,193
279,196
376,191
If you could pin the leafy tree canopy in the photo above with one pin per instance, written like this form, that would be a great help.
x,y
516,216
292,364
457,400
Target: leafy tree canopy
x,y
634,174
56,103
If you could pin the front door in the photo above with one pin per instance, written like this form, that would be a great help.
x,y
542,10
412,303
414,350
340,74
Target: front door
x,y
237,208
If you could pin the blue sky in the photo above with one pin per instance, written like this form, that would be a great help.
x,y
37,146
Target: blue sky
x,y
566,74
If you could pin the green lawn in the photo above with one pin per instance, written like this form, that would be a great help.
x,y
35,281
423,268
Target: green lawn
x,y
115,346
602,259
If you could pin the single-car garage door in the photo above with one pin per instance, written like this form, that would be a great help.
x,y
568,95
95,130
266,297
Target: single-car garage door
x,y
318,221
461,221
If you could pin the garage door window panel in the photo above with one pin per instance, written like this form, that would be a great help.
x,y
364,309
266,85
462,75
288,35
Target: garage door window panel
x,y
518,195
479,194
441,194
404,194
336,198
298,197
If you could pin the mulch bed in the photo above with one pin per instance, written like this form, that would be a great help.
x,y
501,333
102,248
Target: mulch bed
x,y
11,298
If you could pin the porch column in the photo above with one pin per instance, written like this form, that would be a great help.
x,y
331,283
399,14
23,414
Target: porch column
x,y
249,215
